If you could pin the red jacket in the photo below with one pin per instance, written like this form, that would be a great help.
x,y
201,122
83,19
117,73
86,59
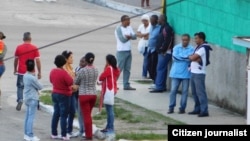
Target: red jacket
x,y
61,82
106,77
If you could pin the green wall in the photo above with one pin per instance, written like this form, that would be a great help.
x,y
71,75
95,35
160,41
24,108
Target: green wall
x,y
221,20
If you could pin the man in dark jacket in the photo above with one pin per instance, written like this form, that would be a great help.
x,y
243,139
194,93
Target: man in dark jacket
x,y
164,49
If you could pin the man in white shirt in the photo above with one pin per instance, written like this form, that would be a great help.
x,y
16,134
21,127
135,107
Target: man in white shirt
x,y
198,73
124,34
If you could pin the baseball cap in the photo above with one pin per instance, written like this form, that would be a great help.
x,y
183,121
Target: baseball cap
x,y
2,36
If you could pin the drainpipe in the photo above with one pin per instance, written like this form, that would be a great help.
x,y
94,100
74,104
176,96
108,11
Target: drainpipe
x,y
248,87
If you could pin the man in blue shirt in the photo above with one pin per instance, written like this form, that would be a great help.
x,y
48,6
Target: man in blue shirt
x,y
180,73
164,49
152,44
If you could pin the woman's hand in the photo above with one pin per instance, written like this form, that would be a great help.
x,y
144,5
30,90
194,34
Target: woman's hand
x,y
75,88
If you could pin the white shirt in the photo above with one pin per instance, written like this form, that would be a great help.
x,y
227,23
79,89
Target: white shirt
x,y
127,45
144,30
195,66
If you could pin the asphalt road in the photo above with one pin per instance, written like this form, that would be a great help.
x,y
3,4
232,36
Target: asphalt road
x,y
48,23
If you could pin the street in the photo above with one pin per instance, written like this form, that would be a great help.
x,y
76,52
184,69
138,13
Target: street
x,y
48,23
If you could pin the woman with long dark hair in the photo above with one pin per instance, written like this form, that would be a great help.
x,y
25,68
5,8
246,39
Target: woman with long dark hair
x,y
109,81
86,80
72,110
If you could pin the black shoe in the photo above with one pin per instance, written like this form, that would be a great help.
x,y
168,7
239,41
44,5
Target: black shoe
x,y
181,112
170,111
104,130
19,106
156,91
193,113
203,115
129,88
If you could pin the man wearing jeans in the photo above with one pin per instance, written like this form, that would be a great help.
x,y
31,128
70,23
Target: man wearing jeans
x,y
164,49
124,34
24,52
180,73
198,73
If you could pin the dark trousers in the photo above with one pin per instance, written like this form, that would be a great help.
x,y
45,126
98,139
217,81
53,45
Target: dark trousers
x,y
61,110
152,64
72,112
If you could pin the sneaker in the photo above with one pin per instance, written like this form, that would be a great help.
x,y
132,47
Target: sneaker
x,y
152,86
55,137
65,138
35,138
19,106
27,138
73,135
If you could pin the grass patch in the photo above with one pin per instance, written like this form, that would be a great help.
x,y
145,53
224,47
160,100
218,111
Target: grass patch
x,y
139,136
100,116
46,99
149,81
148,119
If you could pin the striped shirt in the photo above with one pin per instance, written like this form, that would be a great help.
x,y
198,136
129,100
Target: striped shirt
x,y
86,78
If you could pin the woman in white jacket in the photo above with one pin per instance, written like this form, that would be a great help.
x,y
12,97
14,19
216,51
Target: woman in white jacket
x,y
143,34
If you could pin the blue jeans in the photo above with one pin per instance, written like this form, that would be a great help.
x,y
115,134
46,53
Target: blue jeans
x,y
199,93
20,87
2,70
145,64
110,117
30,116
72,112
162,71
61,111
79,115
124,59
175,83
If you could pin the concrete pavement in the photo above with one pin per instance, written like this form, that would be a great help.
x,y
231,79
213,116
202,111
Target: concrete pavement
x,y
50,22
130,6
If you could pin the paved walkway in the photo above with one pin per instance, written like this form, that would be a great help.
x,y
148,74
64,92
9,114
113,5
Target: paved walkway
x,y
159,102
153,3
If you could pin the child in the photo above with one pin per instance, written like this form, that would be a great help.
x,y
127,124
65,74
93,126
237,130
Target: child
x,y
107,82
31,87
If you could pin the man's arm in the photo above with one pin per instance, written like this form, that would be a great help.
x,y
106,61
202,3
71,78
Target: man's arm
x,y
168,39
38,65
194,57
120,35
15,65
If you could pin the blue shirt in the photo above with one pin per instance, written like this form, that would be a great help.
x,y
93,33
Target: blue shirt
x,y
31,86
153,37
181,63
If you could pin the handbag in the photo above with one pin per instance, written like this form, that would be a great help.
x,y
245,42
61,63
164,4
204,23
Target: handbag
x,y
109,96
141,46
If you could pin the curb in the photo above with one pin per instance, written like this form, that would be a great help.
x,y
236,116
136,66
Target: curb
x,y
122,7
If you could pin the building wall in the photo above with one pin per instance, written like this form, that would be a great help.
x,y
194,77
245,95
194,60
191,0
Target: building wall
x,y
220,20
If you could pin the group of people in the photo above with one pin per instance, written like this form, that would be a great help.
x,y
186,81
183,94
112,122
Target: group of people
x,y
156,44
74,90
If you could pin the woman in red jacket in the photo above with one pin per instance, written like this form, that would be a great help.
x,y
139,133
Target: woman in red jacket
x,y
111,71
62,90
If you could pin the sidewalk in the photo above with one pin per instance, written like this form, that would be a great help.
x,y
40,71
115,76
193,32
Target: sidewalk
x,y
159,102
130,6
